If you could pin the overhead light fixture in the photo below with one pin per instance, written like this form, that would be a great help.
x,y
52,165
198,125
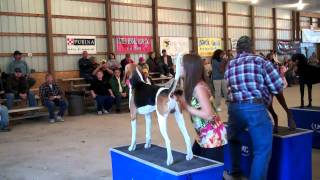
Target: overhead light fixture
x,y
300,5
254,1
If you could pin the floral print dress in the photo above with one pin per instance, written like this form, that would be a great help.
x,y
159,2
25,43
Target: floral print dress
x,y
211,133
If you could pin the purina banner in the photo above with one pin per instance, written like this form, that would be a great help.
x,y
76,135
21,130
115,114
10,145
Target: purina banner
x,y
174,45
78,44
133,44
206,46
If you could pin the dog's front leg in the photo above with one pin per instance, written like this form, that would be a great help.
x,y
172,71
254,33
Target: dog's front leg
x,y
148,130
162,120
180,121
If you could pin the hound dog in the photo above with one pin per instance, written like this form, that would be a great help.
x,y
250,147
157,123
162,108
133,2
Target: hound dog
x,y
145,99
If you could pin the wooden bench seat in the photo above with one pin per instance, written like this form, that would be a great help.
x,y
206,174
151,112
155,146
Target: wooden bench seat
x,y
26,109
80,85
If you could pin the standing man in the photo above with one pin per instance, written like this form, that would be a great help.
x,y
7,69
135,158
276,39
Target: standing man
x,y
4,119
86,67
51,95
251,81
125,61
167,64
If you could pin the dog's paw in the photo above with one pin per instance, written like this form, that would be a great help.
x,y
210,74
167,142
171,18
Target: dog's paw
x,y
147,145
189,156
169,160
132,147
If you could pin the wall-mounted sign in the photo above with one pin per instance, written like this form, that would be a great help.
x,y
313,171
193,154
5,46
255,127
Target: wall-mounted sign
x,y
78,44
310,36
288,47
206,46
133,44
233,43
175,45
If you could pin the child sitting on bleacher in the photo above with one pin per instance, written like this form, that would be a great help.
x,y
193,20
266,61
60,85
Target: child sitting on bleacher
x,y
51,95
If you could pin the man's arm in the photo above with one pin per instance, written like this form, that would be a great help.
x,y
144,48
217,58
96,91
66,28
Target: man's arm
x,y
282,101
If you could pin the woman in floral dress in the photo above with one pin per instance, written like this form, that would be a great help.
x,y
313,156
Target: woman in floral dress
x,y
198,101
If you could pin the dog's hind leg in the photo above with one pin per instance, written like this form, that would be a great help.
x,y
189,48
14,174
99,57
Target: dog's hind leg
x,y
148,130
180,121
162,120
133,116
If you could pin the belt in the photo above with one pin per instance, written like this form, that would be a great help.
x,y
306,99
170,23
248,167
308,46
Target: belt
x,y
248,101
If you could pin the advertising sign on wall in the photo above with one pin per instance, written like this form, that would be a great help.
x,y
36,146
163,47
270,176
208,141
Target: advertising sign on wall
x,y
78,44
206,46
174,45
133,44
310,36
288,47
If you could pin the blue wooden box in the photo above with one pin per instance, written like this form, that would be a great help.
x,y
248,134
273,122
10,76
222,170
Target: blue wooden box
x,y
309,118
149,164
291,155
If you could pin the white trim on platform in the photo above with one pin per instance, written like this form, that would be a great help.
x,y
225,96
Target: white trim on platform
x,y
165,169
306,131
304,109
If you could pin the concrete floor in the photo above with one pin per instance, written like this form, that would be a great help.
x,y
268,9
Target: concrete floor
x,y
78,148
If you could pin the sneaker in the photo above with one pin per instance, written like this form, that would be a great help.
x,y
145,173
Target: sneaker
x,y
59,119
219,109
105,112
163,76
99,112
170,75
5,129
52,121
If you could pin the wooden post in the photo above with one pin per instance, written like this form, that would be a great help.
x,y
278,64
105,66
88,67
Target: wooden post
x,y
298,35
156,40
311,23
275,35
194,26
48,22
253,31
225,25
109,25
293,27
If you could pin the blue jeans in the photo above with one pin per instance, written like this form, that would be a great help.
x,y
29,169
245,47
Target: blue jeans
x,y
51,107
104,102
11,97
256,119
4,121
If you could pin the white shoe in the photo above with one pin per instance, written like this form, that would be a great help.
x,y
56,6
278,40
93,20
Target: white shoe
x,y
170,75
105,111
219,109
99,112
163,76
52,121
59,119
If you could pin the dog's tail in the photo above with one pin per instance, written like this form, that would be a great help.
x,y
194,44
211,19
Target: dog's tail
x,y
173,86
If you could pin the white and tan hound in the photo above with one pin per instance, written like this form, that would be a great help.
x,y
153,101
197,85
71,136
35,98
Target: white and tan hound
x,y
165,104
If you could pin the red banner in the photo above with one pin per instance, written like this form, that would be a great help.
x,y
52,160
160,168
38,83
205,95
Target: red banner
x,y
133,44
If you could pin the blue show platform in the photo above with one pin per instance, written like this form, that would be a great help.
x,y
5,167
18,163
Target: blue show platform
x,y
291,155
149,164
308,118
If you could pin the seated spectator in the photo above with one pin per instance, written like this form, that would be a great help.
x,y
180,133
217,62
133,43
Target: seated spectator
x,y
125,61
142,63
94,62
167,64
17,88
119,89
51,95
101,91
86,67
22,65
154,64
112,62
107,72
4,119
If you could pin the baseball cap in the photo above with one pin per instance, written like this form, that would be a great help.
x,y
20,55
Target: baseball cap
x,y
16,53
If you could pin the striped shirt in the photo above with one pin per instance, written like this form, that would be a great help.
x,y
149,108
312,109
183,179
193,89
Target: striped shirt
x,y
252,77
